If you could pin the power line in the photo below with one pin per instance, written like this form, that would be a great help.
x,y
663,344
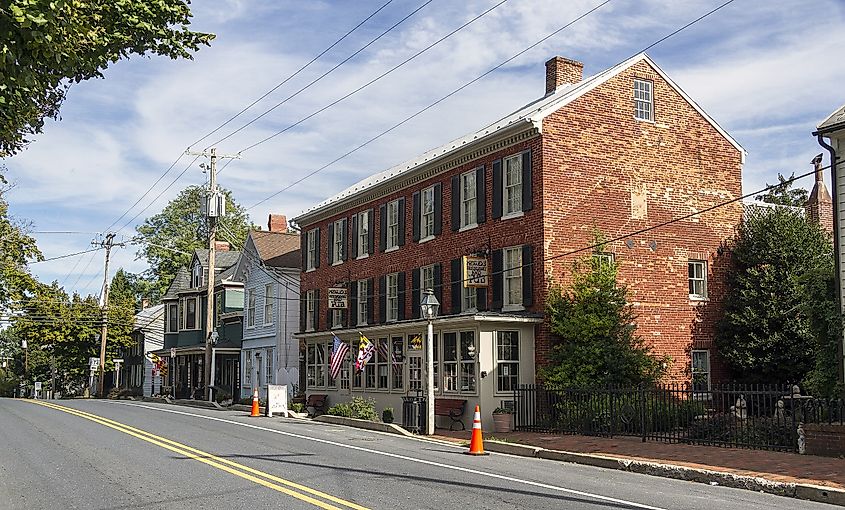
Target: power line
x,y
347,59
374,80
65,256
347,34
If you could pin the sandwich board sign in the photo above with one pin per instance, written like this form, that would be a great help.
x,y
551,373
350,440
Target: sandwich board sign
x,y
277,399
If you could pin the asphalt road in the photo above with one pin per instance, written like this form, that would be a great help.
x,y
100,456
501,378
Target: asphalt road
x,y
91,454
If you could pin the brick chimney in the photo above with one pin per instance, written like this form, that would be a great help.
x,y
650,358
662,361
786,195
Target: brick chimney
x,y
819,206
277,223
221,246
562,71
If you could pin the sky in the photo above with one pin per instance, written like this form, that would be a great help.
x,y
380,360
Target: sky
x,y
767,71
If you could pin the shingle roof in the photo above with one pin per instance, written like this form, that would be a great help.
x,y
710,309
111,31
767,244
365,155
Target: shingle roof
x,y
225,275
181,282
531,114
222,259
277,249
834,122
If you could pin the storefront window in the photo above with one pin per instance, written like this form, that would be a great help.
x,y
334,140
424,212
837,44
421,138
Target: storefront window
x,y
398,363
468,361
450,362
507,358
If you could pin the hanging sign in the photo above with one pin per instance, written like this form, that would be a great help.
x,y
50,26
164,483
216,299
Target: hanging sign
x,y
338,298
475,271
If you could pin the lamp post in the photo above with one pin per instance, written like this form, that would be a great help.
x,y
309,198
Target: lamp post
x,y
429,306
214,337
25,360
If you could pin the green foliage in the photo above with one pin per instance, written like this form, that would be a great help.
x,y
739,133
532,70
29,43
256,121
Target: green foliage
x,y
612,412
47,45
782,194
825,323
387,415
766,334
180,226
16,248
501,410
297,407
597,343
360,408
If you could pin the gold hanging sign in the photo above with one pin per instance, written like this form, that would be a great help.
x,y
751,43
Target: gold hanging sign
x,y
475,272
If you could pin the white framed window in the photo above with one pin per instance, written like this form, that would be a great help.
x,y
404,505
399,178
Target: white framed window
x,y
315,365
337,242
337,318
311,253
427,278
392,293
512,200
513,276
469,299
310,310
397,346
269,299
382,358
643,100
700,370
247,367
427,213
507,360
459,355
344,370
468,199
268,368
196,276
250,308
363,233
698,279
393,224
190,313
172,317
604,259
363,311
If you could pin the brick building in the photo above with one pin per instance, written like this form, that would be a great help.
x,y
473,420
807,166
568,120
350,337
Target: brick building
x,y
617,152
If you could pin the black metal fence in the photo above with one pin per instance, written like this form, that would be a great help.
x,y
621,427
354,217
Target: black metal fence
x,y
731,415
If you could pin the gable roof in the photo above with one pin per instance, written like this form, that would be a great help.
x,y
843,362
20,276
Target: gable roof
x,y
275,245
834,122
526,117
181,282
222,259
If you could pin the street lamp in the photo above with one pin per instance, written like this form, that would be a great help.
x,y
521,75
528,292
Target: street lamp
x,y
214,337
25,360
429,306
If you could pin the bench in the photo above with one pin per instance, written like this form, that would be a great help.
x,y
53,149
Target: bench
x,y
453,408
318,402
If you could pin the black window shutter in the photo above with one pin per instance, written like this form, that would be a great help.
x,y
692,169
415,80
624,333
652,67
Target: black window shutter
x,y
382,219
415,293
455,274
317,247
480,195
497,188
371,309
303,247
330,246
371,233
344,317
438,282
527,275
498,281
317,309
382,299
345,238
438,209
303,311
402,215
401,294
456,202
527,195
353,243
353,303
416,216
481,298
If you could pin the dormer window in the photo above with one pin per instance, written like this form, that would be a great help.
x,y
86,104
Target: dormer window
x,y
196,276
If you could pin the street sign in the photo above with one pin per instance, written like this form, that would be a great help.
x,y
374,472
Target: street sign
x,y
37,385
475,271
277,399
338,298
117,360
94,363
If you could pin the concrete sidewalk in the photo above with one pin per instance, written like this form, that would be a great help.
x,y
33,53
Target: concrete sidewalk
x,y
788,474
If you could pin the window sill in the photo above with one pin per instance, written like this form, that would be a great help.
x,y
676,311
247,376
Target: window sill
x,y
311,270
310,330
425,239
698,299
337,326
510,216
337,262
648,121
362,257
361,324
391,249
267,324
468,227
513,308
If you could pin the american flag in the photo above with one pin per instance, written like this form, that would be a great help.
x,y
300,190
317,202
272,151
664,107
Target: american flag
x,y
339,350
383,350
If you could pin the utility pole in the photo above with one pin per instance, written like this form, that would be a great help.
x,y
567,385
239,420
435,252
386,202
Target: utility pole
x,y
215,206
107,243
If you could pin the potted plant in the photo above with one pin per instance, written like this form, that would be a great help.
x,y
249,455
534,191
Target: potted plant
x,y
502,420
387,415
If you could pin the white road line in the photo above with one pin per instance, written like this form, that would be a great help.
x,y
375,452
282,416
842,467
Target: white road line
x,y
403,457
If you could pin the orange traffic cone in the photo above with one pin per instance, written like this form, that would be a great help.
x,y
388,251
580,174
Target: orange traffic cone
x,y
255,411
476,445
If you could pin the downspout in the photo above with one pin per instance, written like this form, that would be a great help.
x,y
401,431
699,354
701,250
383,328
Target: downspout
x,y
836,232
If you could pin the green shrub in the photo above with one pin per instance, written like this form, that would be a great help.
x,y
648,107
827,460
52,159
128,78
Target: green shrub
x,y
297,407
360,408
387,415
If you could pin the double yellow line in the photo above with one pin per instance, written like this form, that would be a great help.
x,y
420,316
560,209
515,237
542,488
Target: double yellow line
x,y
292,489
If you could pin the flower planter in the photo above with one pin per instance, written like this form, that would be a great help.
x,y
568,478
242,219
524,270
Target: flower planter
x,y
503,422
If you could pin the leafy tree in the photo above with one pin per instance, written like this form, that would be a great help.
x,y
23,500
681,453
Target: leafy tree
x,y
597,343
16,248
766,334
47,45
170,237
783,194
825,322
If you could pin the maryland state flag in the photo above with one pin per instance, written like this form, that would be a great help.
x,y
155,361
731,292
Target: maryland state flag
x,y
365,352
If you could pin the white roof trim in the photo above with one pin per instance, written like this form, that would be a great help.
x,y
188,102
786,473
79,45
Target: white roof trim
x,y
839,112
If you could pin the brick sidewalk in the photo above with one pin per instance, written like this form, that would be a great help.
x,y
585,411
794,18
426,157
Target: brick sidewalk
x,y
776,466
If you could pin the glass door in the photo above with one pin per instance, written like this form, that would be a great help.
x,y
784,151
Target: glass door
x,y
415,371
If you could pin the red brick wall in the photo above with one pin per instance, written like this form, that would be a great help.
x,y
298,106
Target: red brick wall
x,y
823,439
595,155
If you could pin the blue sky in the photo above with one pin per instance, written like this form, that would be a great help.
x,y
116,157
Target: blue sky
x,y
768,72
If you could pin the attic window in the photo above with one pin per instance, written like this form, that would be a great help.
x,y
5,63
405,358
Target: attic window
x,y
196,279
643,100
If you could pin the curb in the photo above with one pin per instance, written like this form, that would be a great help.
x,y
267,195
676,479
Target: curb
x,y
390,428
807,492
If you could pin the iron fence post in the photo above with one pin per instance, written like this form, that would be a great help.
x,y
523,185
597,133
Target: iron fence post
x,y
642,410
